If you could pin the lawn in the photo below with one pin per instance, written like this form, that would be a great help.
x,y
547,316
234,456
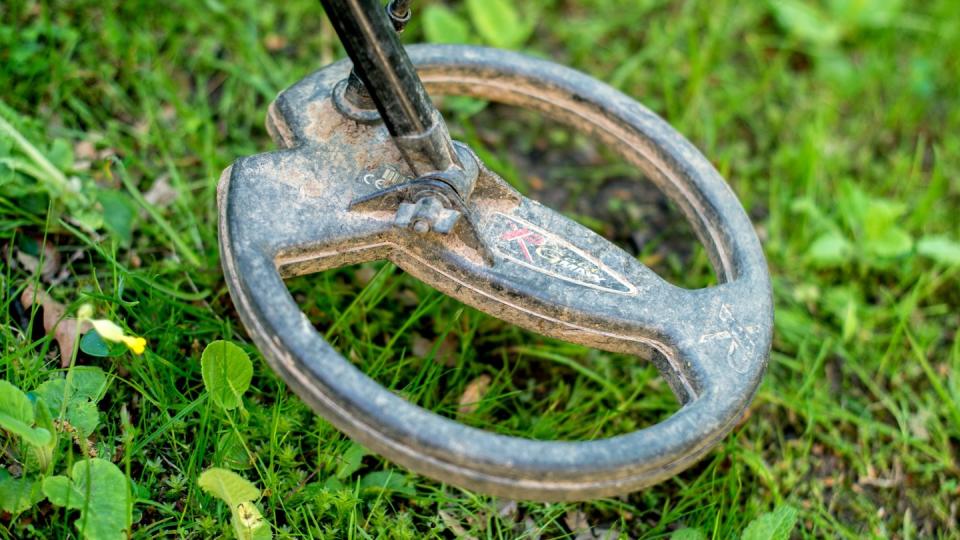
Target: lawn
x,y
836,122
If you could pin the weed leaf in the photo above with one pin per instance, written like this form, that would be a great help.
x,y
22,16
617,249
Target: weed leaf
x,y
830,249
891,243
118,214
92,344
940,248
464,106
248,523
87,385
806,22
41,457
18,494
498,23
226,371
238,493
386,482
884,237
351,461
16,416
866,14
688,534
228,486
441,25
774,525
61,154
232,452
100,491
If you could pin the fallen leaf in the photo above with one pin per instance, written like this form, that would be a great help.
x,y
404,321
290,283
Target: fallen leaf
x,y
576,521
64,330
85,149
141,127
530,529
599,534
274,42
161,193
454,526
168,113
421,346
84,153
473,394
446,353
50,264
508,509
408,298
365,275
64,271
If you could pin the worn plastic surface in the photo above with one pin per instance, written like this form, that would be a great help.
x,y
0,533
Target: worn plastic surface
x,y
287,213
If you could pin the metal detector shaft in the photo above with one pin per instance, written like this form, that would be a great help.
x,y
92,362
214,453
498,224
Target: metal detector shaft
x,y
381,62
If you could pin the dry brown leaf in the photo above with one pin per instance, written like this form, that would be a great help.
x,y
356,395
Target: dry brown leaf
x,y
141,127
85,150
168,113
84,153
473,394
576,521
536,182
448,350
421,346
454,526
106,153
161,193
530,529
446,353
600,534
508,509
64,330
365,275
274,42
51,260
408,298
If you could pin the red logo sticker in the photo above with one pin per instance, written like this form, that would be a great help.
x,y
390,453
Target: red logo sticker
x,y
534,248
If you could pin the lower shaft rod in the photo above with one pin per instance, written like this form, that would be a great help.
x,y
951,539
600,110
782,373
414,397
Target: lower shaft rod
x,y
383,65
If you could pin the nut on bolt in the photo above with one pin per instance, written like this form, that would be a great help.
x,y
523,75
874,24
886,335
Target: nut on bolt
x,y
421,226
425,215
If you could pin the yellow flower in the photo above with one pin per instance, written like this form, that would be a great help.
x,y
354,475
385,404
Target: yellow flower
x,y
85,312
110,331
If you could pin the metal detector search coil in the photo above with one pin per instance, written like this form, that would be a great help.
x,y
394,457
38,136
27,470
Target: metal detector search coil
x,y
367,171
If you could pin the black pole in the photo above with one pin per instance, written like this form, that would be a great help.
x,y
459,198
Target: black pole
x,y
383,65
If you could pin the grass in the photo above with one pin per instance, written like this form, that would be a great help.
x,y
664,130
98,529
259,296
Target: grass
x,y
837,125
